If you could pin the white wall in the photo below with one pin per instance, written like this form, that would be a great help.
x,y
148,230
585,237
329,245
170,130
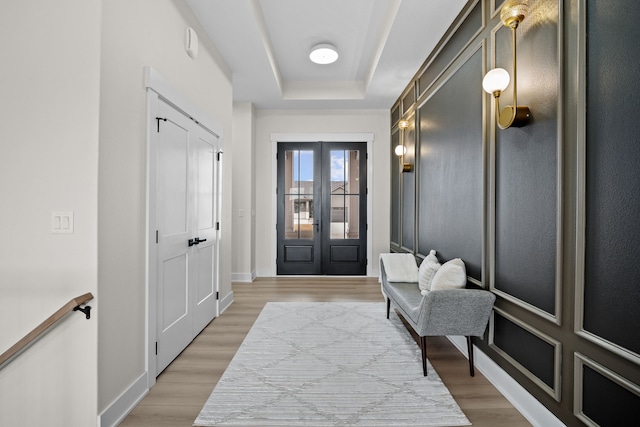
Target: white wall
x,y
319,121
49,87
244,265
137,34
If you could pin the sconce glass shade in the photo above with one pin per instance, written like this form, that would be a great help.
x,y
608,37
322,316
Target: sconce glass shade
x,y
513,12
400,150
496,80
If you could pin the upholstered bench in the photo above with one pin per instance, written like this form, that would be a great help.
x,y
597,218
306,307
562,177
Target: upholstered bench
x,y
443,307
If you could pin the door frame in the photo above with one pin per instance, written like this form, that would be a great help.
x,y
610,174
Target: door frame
x,y
157,87
321,137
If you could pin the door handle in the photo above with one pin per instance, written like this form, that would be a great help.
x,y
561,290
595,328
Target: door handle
x,y
196,241
317,224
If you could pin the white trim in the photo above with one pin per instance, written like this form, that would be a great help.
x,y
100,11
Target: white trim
x,y
154,81
243,277
224,303
120,408
321,137
150,250
367,137
534,411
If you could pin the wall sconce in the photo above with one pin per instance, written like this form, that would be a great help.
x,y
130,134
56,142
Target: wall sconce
x,y
496,81
400,149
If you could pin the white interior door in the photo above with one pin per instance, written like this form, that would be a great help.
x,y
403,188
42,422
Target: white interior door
x,y
205,253
186,235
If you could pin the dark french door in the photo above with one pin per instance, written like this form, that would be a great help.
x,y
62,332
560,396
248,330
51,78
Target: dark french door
x,y
322,208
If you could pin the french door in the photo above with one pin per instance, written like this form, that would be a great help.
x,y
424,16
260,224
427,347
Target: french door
x,y
322,208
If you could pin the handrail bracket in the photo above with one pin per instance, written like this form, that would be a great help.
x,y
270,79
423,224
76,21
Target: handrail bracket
x,y
86,310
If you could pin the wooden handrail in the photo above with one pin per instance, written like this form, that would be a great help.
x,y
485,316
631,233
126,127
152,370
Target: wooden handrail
x,y
44,327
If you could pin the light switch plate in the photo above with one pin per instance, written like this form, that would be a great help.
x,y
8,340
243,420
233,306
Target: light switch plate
x,y
62,222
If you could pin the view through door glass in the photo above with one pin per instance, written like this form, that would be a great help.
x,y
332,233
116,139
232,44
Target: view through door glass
x,y
321,208
299,222
345,195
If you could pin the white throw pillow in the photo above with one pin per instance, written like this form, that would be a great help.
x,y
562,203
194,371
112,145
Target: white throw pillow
x,y
427,270
432,256
452,275
400,267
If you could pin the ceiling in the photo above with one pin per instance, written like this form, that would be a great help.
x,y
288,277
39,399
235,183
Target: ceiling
x,y
381,44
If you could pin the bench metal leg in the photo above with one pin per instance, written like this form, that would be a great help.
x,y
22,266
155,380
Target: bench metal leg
x,y
388,307
470,351
423,347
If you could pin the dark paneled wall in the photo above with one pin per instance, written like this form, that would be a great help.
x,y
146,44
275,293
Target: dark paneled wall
x,y
450,168
526,165
607,401
546,215
613,174
526,348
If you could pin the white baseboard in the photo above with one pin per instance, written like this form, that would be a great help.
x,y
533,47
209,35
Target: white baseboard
x,y
128,399
243,277
225,303
120,408
534,411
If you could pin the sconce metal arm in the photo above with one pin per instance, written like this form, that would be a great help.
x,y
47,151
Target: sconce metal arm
x,y
512,116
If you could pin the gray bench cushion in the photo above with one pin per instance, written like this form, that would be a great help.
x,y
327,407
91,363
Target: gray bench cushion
x,y
407,296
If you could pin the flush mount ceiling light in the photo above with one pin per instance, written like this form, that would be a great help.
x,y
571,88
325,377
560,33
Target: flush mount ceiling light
x,y
323,54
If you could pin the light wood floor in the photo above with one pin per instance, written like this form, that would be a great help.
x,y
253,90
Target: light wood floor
x,y
182,389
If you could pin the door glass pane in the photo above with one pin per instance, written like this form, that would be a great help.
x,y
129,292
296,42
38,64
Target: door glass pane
x,y
345,216
304,217
345,190
298,195
352,217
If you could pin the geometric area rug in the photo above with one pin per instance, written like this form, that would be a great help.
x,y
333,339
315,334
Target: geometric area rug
x,y
329,364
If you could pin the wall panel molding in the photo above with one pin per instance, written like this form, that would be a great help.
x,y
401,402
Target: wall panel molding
x,y
396,193
408,186
582,208
408,100
553,391
496,5
450,166
438,64
543,298
625,389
